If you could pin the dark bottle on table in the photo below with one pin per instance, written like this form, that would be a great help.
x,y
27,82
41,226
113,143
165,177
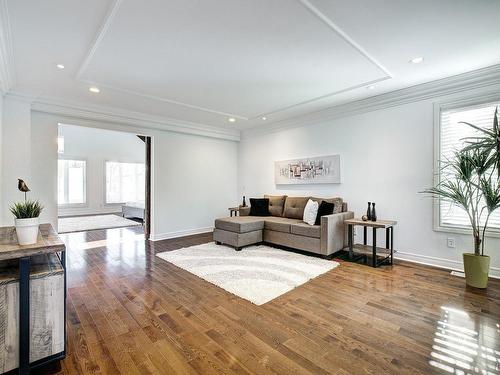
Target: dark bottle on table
x,y
369,211
244,202
374,213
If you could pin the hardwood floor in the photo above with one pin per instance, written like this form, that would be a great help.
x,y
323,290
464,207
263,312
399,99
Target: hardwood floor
x,y
131,312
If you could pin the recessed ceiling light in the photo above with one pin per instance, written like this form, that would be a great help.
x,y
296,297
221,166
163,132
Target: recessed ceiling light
x,y
264,118
417,60
94,89
371,87
231,119
60,66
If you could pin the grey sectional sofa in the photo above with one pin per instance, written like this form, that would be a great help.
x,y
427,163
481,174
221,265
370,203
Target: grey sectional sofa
x,y
285,227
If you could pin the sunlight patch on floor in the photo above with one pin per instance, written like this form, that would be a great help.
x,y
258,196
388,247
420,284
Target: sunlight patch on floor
x,y
108,242
463,344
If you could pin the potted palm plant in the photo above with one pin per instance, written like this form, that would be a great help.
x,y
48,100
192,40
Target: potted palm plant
x,y
470,180
26,216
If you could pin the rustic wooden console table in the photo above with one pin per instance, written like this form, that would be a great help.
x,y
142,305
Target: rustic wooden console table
x,y
48,243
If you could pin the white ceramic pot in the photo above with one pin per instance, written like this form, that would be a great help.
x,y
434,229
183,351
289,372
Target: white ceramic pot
x,y
27,230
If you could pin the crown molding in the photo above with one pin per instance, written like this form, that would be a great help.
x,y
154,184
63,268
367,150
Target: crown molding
x,y
107,114
479,78
7,72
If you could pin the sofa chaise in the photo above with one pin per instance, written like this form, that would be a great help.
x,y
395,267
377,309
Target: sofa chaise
x,y
285,227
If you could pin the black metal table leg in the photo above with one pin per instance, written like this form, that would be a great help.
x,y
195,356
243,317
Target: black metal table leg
x,y
392,244
364,235
63,262
350,240
374,246
24,315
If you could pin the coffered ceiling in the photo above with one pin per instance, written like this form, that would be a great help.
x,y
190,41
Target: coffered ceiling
x,y
205,61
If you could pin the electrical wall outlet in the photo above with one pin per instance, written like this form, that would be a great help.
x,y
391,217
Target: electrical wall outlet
x,y
450,242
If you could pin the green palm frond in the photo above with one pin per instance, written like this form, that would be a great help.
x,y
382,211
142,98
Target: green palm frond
x,y
488,143
491,194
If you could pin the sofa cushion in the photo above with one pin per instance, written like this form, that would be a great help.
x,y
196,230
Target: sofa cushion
x,y
311,212
259,207
294,207
279,224
325,208
337,201
240,224
303,229
276,204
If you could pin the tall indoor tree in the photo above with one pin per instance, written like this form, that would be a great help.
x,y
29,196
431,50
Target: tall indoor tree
x,y
470,180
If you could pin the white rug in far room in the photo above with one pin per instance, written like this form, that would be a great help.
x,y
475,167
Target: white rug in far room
x,y
82,223
256,273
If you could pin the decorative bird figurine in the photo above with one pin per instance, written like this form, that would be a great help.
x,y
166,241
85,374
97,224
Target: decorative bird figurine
x,y
21,185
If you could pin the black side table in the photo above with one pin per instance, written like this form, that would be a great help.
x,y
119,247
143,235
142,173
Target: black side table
x,y
385,254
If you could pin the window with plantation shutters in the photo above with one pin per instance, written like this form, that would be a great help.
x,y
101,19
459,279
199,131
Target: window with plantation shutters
x,y
452,134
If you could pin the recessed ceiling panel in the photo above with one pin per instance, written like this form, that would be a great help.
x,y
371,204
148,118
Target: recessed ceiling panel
x,y
243,58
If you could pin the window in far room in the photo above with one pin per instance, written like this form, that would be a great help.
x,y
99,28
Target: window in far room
x,y
451,139
71,186
125,182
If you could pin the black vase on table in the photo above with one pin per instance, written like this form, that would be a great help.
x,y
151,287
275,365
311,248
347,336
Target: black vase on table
x,y
369,211
244,202
374,213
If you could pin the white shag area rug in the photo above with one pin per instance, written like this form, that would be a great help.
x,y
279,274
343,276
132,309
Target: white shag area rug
x,y
82,223
256,273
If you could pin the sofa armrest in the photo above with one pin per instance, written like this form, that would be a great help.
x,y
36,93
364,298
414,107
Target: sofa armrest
x,y
244,211
334,232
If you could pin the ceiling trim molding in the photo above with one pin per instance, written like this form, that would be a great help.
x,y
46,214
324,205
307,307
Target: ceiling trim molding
x,y
113,10
332,25
153,97
108,19
475,79
101,33
123,117
7,71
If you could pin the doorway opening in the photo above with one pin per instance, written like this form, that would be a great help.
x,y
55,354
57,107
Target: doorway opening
x,y
104,179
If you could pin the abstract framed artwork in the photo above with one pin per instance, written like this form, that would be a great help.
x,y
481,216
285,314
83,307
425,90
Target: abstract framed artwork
x,y
316,170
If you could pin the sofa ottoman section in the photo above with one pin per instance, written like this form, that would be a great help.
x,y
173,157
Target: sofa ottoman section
x,y
239,231
240,224
237,240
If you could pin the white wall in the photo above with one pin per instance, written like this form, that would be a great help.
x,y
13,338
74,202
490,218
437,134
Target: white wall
x,y
387,158
194,177
97,146
43,181
16,153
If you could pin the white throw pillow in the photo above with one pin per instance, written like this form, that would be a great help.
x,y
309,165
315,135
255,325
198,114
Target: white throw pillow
x,y
310,212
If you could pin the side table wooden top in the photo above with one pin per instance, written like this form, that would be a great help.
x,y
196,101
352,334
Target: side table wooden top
x,y
372,224
48,242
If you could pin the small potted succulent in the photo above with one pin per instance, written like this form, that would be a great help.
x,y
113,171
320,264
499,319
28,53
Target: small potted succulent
x,y
26,217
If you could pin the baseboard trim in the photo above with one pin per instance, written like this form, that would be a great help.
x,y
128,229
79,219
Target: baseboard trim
x,y
452,265
180,233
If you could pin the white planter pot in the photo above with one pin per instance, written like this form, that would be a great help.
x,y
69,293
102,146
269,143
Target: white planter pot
x,y
27,230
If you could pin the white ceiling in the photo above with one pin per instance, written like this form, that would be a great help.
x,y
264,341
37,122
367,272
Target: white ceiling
x,y
204,61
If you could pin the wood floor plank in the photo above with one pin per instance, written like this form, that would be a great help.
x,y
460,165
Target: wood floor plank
x,y
130,312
